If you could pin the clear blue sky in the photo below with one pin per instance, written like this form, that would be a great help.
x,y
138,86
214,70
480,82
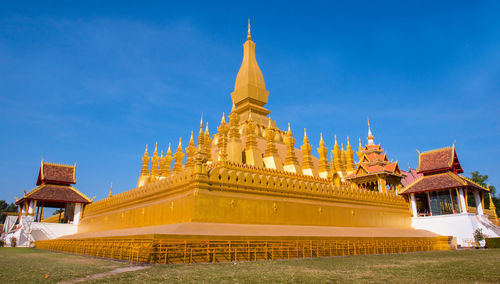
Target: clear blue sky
x,y
92,82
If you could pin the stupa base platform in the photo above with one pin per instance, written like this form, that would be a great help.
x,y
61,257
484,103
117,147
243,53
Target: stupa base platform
x,y
211,242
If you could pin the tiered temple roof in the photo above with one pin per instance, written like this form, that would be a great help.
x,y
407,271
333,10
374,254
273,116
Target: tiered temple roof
x,y
439,169
54,186
374,170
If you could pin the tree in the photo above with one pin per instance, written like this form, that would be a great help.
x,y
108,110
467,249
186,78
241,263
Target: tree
x,y
6,207
483,181
58,211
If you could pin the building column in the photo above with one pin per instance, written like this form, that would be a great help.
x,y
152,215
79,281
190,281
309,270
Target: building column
x,y
429,203
30,207
463,204
413,205
76,216
479,204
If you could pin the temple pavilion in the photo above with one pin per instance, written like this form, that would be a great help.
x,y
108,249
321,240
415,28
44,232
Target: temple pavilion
x,y
54,190
441,190
440,199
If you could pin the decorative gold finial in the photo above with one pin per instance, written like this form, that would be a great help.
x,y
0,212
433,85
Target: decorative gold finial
x,y
289,129
249,36
336,139
223,120
321,136
305,133
110,190
348,143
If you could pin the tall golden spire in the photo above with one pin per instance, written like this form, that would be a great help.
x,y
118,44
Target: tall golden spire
x,y
253,156
234,146
201,140
222,139
145,163
110,191
291,161
178,156
307,164
323,167
155,166
337,154
349,153
208,144
250,89
167,161
144,176
271,158
360,150
190,151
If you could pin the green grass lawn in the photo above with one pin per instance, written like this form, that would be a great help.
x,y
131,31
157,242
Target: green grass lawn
x,y
468,266
25,265
426,267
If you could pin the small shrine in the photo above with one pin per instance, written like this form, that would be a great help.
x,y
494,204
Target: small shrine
x,y
374,171
54,190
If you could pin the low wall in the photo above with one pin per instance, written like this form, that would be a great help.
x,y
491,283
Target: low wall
x,y
461,226
189,249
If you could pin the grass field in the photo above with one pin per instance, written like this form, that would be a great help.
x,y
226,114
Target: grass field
x,y
469,266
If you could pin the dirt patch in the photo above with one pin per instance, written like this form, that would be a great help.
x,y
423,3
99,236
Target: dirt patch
x,y
104,274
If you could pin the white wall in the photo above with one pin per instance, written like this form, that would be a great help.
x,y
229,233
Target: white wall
x,y
461,226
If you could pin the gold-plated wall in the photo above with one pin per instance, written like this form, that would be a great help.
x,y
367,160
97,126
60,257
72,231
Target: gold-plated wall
x,y
238,194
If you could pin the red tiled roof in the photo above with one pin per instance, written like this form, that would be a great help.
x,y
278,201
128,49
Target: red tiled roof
x,y
372,147
376,157
411,176
56,174
440,182
58,193
434,182
437,160
378,168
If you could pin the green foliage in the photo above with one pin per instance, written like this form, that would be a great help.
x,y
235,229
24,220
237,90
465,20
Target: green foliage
x,y
6,207
58,211
483,180
1,243
493,242
496,201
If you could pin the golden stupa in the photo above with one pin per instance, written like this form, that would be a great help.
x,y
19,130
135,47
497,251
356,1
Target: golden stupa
x,y
247,191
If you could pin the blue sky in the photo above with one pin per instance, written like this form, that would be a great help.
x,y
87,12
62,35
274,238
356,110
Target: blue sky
x,y
92,82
